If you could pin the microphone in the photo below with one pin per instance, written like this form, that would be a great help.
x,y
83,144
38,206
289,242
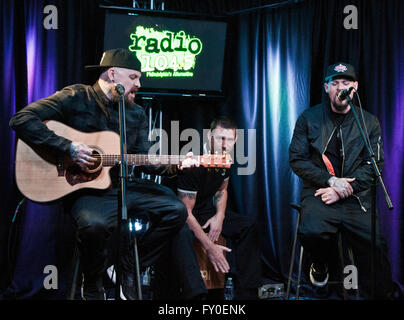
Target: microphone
x,y
120,88
344,93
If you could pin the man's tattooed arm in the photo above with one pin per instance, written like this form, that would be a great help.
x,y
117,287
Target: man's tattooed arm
x,y
341,186
81,155
218,196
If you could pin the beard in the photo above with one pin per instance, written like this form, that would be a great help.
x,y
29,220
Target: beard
x,y
128,101
338,104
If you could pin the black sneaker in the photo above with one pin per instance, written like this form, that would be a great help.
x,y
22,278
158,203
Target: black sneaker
x,y
92,289
128,289
128,286
319,274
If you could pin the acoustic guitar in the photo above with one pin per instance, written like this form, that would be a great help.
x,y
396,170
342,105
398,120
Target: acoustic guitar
x,y
42,178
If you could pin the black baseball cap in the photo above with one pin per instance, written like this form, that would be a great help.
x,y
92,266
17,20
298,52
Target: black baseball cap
x,y
120,57
340,69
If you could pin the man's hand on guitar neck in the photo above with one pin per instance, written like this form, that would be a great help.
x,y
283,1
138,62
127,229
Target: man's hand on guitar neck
x,y
188,162
81,155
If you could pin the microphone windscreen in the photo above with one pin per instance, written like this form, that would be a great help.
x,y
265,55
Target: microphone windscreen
x,y
120,88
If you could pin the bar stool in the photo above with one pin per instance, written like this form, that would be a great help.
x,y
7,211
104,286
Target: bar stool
x,y
299,272
139,227
74,277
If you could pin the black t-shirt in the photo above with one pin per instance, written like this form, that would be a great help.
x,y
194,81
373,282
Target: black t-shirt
x,y
204,182
334,149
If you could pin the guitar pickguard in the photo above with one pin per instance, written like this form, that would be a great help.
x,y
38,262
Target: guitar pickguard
x,y
74,175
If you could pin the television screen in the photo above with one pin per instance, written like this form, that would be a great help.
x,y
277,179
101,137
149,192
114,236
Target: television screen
x,y
179,54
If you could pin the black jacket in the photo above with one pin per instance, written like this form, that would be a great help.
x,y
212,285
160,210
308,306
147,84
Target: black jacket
x,y
311,136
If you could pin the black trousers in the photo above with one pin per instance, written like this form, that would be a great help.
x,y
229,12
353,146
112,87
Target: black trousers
x,y
317,233
183,274
96,217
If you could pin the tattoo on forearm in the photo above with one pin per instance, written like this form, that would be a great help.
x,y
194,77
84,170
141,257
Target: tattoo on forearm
x,y
74,151
218,196
338,183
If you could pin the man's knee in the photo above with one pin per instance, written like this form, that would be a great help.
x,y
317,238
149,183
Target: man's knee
x,y
253,229
186,234
179,213
91,227
313,234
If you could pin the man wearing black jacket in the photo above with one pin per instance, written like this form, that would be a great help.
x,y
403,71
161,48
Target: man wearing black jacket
x,y
328,154
91,109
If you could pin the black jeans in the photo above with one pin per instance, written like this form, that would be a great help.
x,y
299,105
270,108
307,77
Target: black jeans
x,y
317,233
183,273
96,216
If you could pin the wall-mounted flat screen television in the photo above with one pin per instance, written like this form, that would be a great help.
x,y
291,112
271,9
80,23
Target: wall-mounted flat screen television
x,y
179,53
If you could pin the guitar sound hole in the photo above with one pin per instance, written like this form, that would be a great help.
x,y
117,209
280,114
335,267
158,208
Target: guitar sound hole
x,y
97,165
74,175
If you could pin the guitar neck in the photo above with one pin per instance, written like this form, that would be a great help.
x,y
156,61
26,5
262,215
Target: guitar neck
x,y
145,159
209,160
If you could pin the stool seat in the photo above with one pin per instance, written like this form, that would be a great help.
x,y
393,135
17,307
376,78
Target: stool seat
x,y
211,278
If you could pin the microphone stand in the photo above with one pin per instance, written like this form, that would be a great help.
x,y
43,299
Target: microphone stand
x,y
123,216
373,188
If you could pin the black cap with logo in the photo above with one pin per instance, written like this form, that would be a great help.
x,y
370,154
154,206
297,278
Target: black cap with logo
x,y
340,69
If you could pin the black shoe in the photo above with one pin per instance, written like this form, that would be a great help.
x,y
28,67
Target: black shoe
x,y
319,274
128,289
92,288
128,286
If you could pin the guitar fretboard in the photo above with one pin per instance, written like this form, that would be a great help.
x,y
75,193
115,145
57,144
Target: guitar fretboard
x,y
146,159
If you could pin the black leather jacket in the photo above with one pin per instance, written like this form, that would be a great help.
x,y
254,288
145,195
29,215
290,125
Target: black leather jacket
x,y
313,131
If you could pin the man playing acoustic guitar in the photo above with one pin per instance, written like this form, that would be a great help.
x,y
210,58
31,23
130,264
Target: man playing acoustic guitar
x,y
93,109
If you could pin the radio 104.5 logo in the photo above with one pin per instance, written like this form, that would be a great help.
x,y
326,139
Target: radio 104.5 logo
x,y
165,53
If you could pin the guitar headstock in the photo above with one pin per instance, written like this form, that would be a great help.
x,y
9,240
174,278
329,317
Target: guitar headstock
x,y
216,160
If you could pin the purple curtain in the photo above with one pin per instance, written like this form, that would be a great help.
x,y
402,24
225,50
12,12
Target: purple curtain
x,y
37,62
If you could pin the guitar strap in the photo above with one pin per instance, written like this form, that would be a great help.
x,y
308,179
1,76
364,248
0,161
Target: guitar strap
x,y
328,164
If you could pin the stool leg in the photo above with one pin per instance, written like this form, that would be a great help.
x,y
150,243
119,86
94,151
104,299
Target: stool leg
x,y
299,273
351,259
292,259
75,274
341,260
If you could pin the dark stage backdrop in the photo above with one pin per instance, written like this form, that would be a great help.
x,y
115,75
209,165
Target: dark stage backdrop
x,y
274,70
